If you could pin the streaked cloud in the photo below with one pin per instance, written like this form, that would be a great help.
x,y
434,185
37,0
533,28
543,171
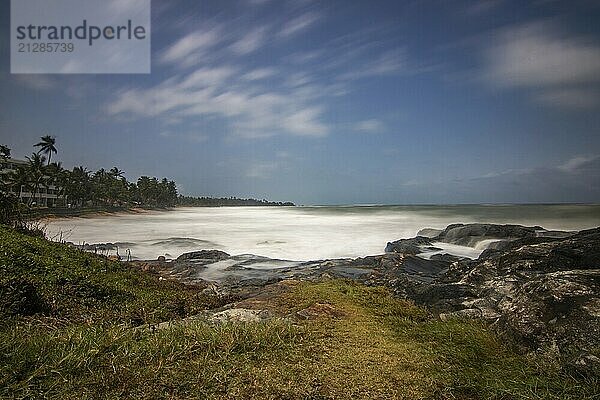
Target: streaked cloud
x,y
540,55
578,163
259,73
298,24
557,69
305,122
191,47
250,41
206,77
251,110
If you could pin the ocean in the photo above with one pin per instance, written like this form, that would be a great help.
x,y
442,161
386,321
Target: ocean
x,y
301,233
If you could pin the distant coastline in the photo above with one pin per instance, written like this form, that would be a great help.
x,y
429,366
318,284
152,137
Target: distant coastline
x,y
88,212
188,201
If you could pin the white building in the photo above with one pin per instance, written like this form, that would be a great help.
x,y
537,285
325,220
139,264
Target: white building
x,y
46,196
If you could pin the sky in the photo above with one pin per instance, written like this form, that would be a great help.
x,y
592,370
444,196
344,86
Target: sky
x,y
337,102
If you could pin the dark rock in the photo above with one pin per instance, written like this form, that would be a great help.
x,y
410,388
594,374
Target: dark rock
x,y
471,234
445,257
215,255
542,292
429,232
408,246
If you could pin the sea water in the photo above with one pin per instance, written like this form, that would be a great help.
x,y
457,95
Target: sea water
x,y
301,233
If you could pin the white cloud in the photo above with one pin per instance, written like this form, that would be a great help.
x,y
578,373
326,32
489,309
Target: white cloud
x,y
305,122
259,73
304,56
251,111
191,47
539,55
256,102
298,24
205,77
250,41
298,79
576,163
558,70
369,126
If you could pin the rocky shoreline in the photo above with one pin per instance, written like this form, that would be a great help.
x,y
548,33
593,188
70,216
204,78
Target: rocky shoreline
x,y
539,288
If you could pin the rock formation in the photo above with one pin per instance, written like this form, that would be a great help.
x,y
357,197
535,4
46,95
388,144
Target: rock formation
x,y
540,288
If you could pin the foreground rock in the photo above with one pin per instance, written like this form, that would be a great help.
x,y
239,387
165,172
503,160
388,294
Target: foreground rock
x,y
543,291
491,236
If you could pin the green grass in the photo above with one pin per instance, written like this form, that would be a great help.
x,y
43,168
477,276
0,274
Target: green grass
x,y
58,282
359,342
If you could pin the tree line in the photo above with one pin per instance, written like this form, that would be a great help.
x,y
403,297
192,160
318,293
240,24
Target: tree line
x,y
80,187
226,201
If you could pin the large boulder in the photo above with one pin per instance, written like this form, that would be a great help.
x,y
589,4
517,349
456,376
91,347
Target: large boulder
x,y
414,245
543,292
471,234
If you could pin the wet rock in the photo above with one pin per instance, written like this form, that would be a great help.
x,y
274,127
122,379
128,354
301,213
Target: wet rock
x,y
409,246
471,234
544,292
429,232
214,255
445,257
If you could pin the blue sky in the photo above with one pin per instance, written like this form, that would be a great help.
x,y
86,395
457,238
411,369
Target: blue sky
x,y
338,102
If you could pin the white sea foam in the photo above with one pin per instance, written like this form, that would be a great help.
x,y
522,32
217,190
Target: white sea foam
x,y
461,251
301,233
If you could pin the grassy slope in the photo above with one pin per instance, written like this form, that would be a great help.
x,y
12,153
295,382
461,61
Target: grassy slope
x,y
359,343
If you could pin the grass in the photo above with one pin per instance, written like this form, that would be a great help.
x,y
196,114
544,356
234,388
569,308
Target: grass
x,y
357,342
57,282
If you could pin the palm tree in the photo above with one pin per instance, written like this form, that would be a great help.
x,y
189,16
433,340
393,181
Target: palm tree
x,y
36,171
78,185
4,151
116,172
57,177
47,146
19,179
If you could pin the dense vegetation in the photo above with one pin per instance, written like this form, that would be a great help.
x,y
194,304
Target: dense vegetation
x,y
68,323
79,187
226,201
